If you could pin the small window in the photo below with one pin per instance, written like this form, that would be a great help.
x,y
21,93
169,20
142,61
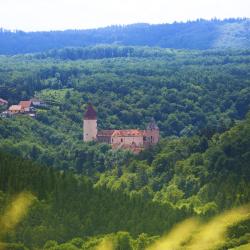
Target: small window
x,y
121,140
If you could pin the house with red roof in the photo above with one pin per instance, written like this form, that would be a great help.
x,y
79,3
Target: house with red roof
x,y
26,105
134,140
15,109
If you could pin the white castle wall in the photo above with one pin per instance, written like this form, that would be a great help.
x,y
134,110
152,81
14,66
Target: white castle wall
x,y
89,130
128,140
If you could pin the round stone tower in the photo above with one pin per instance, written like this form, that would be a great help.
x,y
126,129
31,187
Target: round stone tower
x,y
90,124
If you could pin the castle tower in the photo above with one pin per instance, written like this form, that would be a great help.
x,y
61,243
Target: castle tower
x,y
153,132
90,124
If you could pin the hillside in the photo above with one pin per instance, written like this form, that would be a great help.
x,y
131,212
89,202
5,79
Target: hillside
x,y
188,177
68,206
86,192
200,34
208,175
187,93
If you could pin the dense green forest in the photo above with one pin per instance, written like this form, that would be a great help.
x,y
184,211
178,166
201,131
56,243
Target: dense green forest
x,y
68,206
200,34
187,92
86,192
207,175
187,176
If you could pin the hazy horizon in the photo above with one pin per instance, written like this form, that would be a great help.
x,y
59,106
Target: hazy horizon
x,y
100,27
46,15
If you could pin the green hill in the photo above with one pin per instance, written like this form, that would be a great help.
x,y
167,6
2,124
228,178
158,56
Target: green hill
x,y
199,34
200,100
184,177
207,175
68,206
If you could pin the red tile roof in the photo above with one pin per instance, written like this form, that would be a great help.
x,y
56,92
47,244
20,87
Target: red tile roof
x,y
25,104
128,133
105,133
15,108
90,114
121,133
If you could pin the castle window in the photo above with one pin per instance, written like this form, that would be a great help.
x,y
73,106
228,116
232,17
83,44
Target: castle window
x,y
121,140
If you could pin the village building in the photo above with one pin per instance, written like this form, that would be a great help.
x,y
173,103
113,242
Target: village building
x,y
134,140
15,109
3,102
23,108
26,106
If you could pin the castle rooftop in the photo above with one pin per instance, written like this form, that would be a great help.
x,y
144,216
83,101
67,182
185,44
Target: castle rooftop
x,y
127,133
90,113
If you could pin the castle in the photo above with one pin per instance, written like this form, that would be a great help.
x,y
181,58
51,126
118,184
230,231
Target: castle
x,y
134,140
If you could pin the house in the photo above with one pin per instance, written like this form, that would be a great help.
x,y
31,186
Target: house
x,y
26,106
134,140
15,109
3,102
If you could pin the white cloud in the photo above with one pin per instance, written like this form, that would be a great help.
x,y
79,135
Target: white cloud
x,y
70,14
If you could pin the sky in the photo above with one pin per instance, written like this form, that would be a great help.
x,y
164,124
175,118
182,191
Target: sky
x,y
37,15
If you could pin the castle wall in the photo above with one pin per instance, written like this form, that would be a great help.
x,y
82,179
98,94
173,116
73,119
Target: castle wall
x,y
89,130
129,140
104,139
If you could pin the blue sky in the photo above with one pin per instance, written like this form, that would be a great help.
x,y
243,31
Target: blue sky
x,y
32,15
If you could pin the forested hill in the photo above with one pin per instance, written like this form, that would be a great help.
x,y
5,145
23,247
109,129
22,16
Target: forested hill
x,y
200,34
186,176
68,206
200,100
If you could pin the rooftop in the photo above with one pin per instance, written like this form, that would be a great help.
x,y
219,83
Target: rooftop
x,y
15,108
25,104
122,133
90,113
127,132
105,133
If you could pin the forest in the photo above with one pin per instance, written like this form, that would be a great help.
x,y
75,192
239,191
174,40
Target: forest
x,y
201,34
139,202
84,194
